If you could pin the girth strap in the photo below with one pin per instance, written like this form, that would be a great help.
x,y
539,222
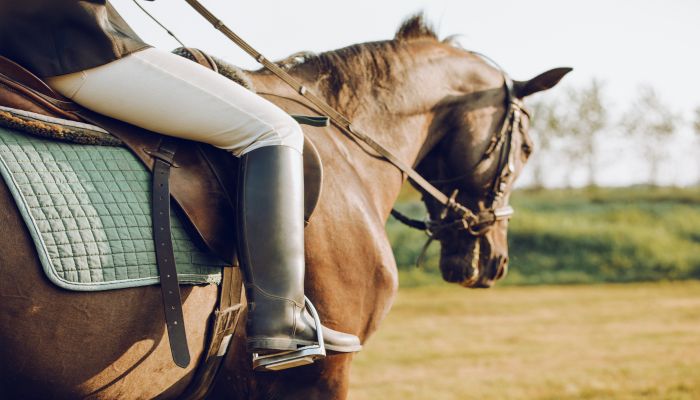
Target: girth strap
x,y
223,327
165,257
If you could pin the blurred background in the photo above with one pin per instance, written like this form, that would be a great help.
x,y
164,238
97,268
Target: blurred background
x,y
602,299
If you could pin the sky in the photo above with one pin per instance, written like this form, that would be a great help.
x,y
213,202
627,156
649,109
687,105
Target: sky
x,y
624,43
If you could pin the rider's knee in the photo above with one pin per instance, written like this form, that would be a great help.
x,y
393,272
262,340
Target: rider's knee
x,y
283,132
290,134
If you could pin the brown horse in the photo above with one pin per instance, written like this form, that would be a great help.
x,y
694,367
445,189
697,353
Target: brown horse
x,y
435,105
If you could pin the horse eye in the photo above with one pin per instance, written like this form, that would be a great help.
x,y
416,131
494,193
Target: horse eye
x,y
527,149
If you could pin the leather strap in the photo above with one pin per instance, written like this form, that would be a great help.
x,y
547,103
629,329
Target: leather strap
x,y
339,119
224,323
165,257
312,120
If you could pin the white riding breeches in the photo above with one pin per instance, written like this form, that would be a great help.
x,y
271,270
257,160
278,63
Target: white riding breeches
x,y
171,95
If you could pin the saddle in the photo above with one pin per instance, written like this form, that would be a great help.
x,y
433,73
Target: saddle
x,y
200,178
205,178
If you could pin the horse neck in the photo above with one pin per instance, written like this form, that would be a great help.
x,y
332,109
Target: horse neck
x,y
403,130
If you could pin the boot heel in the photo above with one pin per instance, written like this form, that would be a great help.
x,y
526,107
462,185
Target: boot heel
x,y
295,358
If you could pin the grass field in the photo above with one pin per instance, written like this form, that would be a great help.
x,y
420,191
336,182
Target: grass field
x,y
615,341
581,236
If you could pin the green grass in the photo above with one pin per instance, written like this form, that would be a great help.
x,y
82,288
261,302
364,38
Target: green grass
x,y
582,236
632,341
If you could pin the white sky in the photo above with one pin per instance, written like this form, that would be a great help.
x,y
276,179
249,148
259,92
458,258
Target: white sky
x,y
623,42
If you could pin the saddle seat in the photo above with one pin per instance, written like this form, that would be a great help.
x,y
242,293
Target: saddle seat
x,y
203,182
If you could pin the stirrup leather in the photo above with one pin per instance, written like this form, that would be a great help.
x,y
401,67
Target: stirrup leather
x,y
294,358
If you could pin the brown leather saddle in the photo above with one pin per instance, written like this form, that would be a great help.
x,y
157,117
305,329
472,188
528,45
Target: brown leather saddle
x,y
202,182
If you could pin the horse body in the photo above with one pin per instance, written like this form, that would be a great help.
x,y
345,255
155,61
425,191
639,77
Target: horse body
x,y
414,94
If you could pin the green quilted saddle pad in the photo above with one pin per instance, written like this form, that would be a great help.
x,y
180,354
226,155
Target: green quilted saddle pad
x,y
88,210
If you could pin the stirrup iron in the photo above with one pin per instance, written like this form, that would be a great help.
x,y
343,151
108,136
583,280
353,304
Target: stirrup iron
x,y
294,358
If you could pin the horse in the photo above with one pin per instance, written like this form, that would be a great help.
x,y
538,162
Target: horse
x,y
435,105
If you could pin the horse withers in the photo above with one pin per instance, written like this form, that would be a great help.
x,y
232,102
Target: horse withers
x,y
437,106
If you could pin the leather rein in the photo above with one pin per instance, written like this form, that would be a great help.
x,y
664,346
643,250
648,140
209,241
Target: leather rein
x,y
454,214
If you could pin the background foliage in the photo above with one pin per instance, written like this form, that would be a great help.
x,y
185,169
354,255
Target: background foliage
x,y
581,236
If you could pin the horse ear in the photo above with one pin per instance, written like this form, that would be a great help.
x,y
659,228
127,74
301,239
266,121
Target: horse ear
x,y
541,82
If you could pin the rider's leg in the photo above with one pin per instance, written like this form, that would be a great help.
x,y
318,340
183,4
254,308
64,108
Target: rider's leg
x,y
271,224
165,93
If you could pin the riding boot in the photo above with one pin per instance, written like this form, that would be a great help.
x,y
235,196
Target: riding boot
x,y
271,244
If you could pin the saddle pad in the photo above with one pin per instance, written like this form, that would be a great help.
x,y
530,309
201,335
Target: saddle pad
x,y
88,210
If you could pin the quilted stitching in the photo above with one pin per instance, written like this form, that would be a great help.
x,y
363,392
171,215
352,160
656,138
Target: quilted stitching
x,y
91,208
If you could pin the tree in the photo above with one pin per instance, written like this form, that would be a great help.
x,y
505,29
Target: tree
x,y
696,128
572,125
584,120
545,126
652,123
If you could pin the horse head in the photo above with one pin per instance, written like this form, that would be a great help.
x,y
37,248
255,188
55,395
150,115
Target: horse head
x,y
483,148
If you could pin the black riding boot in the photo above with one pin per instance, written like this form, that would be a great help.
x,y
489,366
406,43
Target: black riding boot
x,y
271,244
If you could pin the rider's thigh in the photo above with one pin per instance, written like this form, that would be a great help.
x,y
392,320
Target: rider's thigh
x,y
166,93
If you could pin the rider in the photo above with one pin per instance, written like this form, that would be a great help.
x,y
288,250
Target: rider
x,y
85,51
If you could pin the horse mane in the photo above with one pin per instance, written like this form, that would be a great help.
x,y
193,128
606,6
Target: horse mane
x,y
346,72
416,27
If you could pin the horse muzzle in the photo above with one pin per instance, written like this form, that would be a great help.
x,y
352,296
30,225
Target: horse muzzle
x,y
474,270
456,269
497,269
462,266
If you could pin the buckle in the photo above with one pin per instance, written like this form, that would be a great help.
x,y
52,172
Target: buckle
x,y
165,157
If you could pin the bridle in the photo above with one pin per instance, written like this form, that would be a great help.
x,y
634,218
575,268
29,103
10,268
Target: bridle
x,y
454,215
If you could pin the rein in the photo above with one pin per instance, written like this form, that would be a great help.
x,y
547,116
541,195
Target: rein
x,y
476,224
451,205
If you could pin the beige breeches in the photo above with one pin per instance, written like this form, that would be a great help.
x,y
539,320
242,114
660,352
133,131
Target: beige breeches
x,y
166,93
